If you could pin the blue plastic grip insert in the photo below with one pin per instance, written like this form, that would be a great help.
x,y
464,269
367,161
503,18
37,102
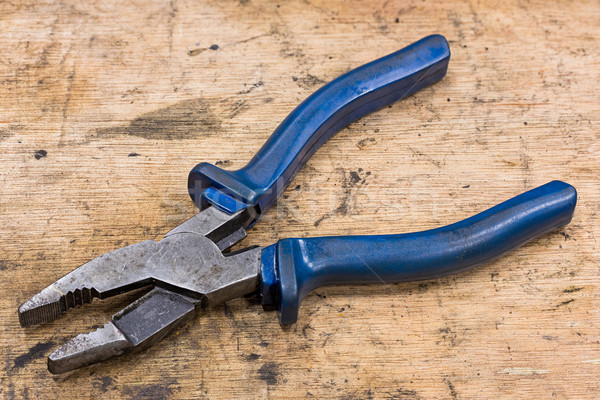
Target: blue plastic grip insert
x,y
302,265
331,108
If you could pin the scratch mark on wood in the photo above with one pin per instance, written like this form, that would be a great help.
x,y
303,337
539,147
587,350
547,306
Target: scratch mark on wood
x,y
597,361
523,371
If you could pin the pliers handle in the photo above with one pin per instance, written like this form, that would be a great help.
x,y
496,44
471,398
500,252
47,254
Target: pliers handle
x,y
332,107
292,268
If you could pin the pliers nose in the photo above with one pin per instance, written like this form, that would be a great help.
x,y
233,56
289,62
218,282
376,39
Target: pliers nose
x,y
186,268
112,273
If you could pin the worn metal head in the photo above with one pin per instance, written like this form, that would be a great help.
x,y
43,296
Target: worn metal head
x,y
187,269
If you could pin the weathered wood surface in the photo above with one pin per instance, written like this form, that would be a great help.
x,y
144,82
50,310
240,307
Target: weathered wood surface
x,y
106,105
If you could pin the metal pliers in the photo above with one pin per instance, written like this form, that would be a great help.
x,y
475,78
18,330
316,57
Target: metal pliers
x,y
190,268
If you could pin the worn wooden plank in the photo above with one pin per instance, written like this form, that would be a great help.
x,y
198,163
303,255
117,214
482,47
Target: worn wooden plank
x,y
106,106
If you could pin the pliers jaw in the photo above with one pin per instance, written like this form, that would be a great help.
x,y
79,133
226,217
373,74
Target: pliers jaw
x,y
187,269
138,326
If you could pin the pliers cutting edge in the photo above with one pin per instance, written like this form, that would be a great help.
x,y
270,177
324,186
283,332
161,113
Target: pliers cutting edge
x,y
190,268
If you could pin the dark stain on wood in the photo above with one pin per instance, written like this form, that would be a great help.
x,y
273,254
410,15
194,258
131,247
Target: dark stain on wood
x,y
309,81
351,182
40,154
365,142
451,388
405,394
104,383
252,357
269,372
5,264
564,303
572,289
142,392
5,134
34,353
184,120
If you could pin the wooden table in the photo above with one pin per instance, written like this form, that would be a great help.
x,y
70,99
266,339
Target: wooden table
x,y
105,106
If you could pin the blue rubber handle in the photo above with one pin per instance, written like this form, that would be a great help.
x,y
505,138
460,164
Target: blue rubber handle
x,y
312,123
292,268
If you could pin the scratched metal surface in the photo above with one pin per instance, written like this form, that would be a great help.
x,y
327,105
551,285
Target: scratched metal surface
x,y
105,106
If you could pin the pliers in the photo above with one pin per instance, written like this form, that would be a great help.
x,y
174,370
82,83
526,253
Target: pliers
x,y
190,267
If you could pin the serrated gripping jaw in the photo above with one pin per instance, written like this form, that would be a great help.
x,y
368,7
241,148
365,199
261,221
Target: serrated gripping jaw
x,y
186,269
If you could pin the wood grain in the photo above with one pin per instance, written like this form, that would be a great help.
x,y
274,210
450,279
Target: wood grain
x,y
107,105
